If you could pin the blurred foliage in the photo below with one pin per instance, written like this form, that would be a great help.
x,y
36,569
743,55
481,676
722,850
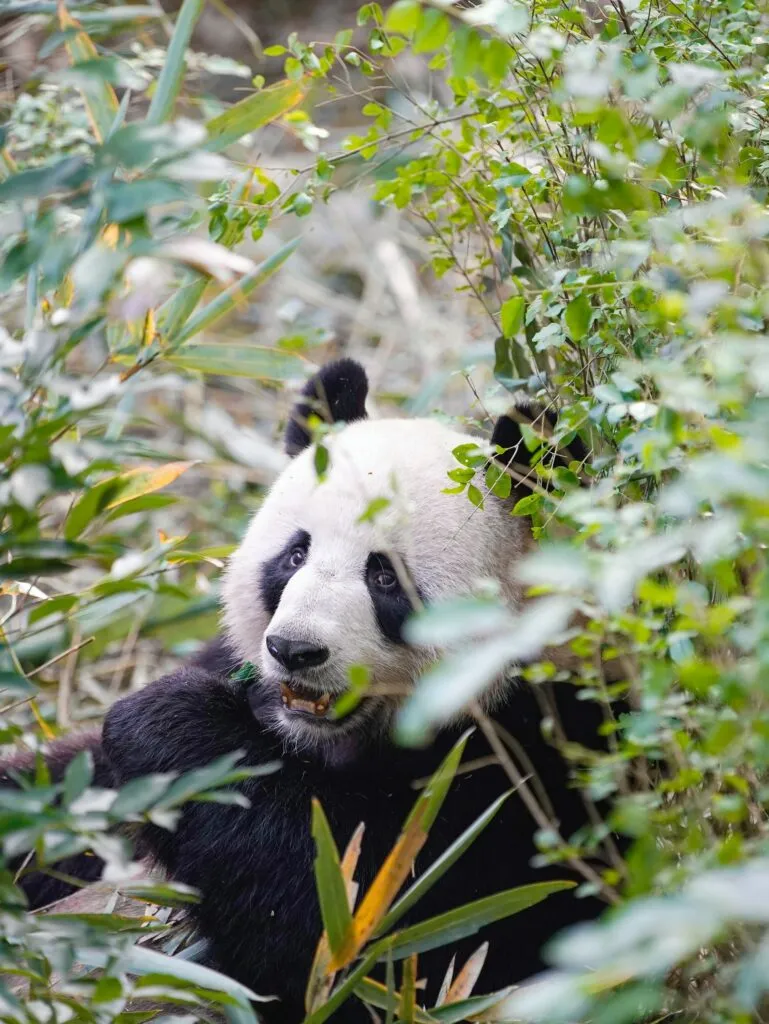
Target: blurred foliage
x,y
595,175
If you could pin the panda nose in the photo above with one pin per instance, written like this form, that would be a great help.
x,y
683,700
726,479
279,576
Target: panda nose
x,y
295,654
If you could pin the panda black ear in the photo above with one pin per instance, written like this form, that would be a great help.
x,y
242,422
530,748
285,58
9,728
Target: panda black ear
x,y
508,435
335,394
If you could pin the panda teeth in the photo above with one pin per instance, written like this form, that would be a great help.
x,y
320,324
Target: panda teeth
x,y
293,702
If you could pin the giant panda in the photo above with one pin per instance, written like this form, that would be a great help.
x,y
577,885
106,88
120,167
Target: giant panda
x,y
317,587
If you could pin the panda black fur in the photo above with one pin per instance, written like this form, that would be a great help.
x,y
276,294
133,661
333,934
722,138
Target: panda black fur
x,y
254,868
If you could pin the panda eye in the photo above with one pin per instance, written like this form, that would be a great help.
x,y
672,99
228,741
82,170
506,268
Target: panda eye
x,y
385,579
297,557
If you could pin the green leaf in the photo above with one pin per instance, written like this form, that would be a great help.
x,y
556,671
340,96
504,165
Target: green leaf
x,y
93,501
467,920
376,994
127,200
373,509
144,503
469,454
528,506
515,175
20,568
139,795
236,293
239,361
475,496
439,867
221,772
512,314
41,182
321,460
433,31
404,17
174,313
172,74
329,882
498,482
142,961
428,805
78,776
253,112
577,317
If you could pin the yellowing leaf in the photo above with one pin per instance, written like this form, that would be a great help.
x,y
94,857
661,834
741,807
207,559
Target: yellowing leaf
x,y
110,235
253,112
44,727
385,887
99,96
145,479
465,981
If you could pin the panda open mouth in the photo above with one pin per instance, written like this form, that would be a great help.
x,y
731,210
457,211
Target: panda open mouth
x,y
298,698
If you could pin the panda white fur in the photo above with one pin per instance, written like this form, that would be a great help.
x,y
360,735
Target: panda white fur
x,y
315,588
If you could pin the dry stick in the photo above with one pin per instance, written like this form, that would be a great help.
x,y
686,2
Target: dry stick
x,y
65,683
126,656
64,654
576,863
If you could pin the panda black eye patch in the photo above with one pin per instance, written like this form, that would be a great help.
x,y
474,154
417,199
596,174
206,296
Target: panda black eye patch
x,y
278,571
392,605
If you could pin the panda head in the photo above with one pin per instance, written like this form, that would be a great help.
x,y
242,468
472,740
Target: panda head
x,y
331,567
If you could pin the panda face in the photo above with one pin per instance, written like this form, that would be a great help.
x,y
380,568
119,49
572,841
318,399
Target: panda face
x,y
330,570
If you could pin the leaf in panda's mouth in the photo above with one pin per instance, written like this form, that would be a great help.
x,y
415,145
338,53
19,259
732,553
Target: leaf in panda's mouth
x,y
296,700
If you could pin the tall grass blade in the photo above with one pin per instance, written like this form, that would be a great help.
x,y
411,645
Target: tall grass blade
x,y
171,77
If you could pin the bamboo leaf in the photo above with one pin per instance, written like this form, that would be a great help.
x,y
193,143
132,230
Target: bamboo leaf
x,y
383,889
445,984
512,315
436,790
321,980
175,312
343,991
467,920
99,96
330,883
145,479
400,860
142,961
172,75
235,293
440,866
469,1009
466,980
578,315
254,112
239,361
376,994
